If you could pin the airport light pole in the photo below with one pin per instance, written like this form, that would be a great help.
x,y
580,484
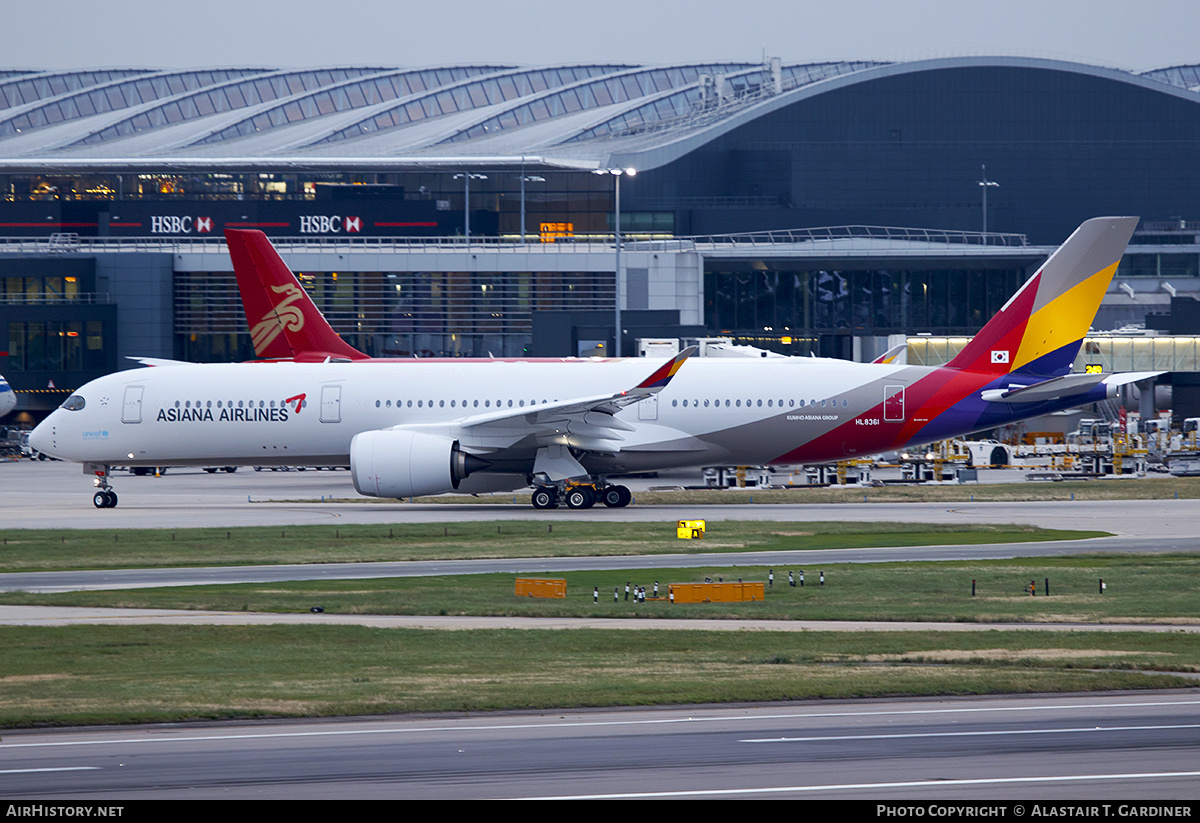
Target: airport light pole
x,y
527,178
617,174
986,184
466,178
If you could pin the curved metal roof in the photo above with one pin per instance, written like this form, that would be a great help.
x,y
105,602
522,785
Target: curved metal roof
x,y
391,118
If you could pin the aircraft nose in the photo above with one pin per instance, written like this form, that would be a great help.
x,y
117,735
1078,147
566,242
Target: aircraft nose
x,y
41,437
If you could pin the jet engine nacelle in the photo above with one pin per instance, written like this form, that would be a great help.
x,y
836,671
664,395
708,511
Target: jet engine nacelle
x,y
400,463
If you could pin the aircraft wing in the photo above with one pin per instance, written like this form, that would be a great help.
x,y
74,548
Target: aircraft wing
x,y
1065,387
586,423
603,403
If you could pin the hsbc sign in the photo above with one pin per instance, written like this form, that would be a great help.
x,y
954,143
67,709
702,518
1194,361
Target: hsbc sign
x,y
174,224
329,224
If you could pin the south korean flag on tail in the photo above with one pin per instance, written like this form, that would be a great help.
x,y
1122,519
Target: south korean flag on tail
x,y
999,356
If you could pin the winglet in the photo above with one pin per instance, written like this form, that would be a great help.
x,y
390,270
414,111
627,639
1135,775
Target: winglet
x,y
897,355
284,322
663,374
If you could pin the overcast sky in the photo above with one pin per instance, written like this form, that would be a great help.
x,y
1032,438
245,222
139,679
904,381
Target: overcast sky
x,y
52,34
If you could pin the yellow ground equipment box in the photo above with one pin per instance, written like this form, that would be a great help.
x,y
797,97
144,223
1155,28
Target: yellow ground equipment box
x,y
689,529
535,587
715,592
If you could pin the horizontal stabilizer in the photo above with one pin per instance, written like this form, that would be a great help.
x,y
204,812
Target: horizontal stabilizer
x,y
1064,388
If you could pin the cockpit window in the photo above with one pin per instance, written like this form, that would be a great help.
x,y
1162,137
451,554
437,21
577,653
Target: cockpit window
x,y
73,403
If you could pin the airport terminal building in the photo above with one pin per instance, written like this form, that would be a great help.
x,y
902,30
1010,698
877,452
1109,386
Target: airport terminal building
x,y
472,210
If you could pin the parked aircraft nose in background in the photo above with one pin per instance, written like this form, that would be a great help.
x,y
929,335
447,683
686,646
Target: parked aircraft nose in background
x,y
8,399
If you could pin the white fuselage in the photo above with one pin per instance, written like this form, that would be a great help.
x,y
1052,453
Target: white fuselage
x,y
713,411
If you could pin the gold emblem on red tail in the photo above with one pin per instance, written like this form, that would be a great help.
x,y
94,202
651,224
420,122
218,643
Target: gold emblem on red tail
x,y
282,315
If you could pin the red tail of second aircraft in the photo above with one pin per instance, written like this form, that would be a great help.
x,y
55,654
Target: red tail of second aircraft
x,y
284,322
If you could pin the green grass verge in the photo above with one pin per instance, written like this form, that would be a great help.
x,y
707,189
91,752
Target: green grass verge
x,y
1161,589
52,549
104,674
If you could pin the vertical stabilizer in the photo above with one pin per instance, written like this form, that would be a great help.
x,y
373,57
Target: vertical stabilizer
x,y
1040,329
284,322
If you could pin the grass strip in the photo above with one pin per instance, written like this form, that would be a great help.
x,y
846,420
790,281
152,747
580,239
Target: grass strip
x,y
1160,589
58,549
106,674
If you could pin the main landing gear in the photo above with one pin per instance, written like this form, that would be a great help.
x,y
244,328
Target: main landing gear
x,y
105,497
581,496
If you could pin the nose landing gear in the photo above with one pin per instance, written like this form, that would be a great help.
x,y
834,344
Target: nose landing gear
x,y
105,497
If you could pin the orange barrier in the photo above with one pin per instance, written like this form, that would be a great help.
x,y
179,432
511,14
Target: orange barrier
x,y
535,587
715,592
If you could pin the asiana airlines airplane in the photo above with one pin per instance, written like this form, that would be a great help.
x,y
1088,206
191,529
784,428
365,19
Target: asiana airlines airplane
x,y
421,427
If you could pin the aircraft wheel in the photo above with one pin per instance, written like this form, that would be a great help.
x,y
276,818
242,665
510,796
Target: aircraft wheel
x,y
112,499
616,497
580,497
544,499
100,500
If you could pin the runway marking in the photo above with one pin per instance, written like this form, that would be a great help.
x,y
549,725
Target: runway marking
x,y
552,725
966,734
833,787
59,769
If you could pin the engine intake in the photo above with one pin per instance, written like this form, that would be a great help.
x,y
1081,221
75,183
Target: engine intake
x,y
400,463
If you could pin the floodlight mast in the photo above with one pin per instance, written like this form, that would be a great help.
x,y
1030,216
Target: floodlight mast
x,y
466,178
984,185
617,174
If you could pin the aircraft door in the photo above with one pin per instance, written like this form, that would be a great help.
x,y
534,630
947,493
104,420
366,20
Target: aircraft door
x,y
893,404
648,408
131,411
331,404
